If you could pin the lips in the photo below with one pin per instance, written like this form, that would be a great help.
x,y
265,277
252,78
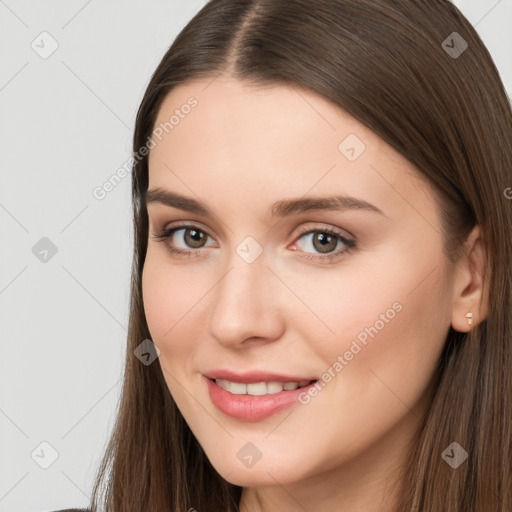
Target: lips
x,y
247,407
255,376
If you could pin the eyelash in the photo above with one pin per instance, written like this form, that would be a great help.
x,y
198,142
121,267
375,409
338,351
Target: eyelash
x,y
168,232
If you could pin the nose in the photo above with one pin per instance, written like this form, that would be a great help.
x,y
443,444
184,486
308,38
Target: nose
x,y
245,304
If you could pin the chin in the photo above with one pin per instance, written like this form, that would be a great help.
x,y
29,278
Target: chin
x,y
263,473
257,478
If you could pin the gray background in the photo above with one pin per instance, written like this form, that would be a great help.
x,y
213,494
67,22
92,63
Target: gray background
x,y
65,127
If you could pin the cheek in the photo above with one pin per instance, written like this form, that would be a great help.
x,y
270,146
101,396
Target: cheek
x,y
389,333
172,298
383,330
158,299
172,303
394,306
390,336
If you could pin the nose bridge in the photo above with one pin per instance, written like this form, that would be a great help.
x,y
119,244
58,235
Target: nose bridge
x,y
242,304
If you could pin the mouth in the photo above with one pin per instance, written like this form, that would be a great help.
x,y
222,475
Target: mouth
x,y
255,401
260,388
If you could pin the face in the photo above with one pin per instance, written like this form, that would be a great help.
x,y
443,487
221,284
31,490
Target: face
x,y
274,282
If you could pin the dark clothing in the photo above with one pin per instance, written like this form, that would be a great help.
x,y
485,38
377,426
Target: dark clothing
x,y
74,510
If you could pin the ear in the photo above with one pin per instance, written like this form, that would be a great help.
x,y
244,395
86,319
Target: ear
x,y
470,285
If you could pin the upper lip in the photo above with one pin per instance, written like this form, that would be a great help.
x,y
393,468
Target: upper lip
x,y
254,376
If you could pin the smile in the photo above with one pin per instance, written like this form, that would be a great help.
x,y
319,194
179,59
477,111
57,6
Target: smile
x,y
254,401
260,388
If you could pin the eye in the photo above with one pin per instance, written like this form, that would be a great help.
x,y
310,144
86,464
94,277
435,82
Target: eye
x,y
324,241
191,237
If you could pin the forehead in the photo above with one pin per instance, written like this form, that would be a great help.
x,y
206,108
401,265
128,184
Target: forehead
x,y
220,139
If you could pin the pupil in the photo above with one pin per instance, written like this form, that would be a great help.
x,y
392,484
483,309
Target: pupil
x,y
195,236
326,242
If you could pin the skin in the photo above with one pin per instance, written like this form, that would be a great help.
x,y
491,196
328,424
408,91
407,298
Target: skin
x,y
240,150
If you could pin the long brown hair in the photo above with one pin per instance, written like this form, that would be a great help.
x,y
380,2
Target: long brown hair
x,y
397,67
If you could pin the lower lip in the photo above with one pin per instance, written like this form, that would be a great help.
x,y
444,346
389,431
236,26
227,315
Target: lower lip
x,y
250,407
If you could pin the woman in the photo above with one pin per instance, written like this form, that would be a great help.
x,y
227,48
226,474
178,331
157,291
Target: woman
x,y
321,295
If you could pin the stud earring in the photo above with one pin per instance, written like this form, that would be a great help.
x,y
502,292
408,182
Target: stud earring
x,y
469,316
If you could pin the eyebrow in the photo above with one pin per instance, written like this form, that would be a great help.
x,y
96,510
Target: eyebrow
x,y
281,208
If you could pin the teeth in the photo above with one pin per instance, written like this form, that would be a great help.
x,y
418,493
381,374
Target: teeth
x,y
274,387
259,388
236,388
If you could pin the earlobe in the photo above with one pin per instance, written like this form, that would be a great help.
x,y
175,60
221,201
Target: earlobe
x,y
470,286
